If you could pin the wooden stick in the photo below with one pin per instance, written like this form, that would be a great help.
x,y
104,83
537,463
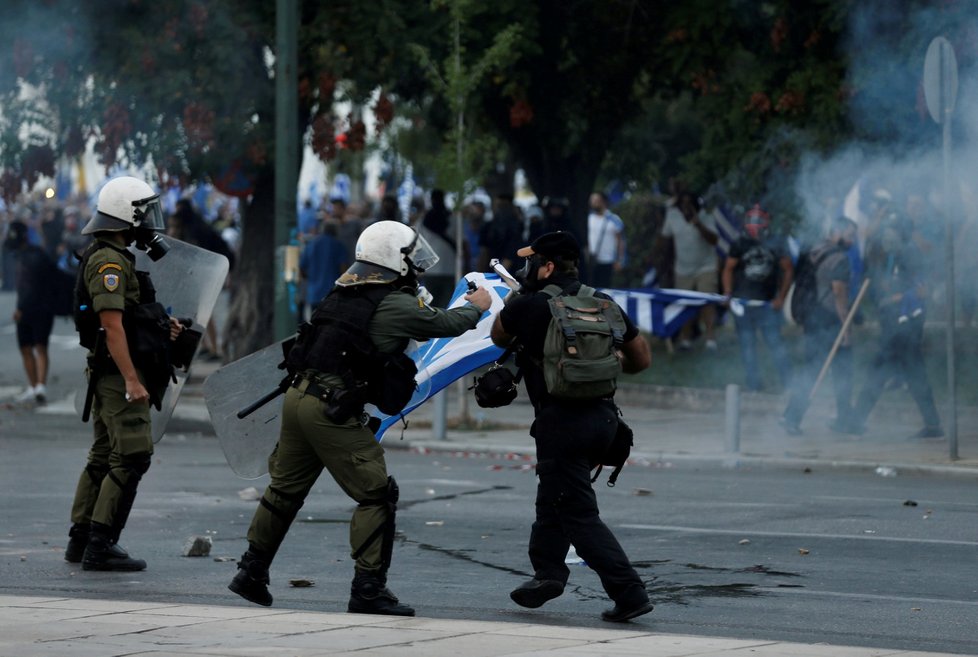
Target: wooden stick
x,y
838,338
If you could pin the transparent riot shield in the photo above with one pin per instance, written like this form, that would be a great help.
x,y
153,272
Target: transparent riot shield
x,y
188,280
244,400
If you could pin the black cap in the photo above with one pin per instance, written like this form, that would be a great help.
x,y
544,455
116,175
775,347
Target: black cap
x,y
557,244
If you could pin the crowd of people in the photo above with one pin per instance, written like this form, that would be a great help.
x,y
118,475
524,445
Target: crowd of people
x,y
893,245
364,282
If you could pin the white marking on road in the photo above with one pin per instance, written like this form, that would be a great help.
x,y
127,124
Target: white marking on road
x,y
870,596
748,533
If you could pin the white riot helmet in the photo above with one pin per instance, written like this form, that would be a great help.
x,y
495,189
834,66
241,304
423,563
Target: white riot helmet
x,y
124,203
386,251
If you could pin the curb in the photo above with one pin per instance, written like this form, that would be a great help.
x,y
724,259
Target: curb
x,y
729,461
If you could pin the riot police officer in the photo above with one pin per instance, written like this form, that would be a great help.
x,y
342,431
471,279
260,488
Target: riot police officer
x,y
351,354
127,333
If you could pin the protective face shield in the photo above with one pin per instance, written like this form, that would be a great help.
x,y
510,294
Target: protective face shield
x,y
756,222
387,251
527,274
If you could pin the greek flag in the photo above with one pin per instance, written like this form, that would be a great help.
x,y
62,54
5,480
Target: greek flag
x,y
728,229
442,361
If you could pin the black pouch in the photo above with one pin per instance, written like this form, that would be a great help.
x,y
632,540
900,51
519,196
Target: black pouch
x,y
345,403
182,349
616,455
393,388
495,388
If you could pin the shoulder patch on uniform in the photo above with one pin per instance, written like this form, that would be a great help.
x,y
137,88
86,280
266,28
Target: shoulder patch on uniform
x,y
110,281
109,265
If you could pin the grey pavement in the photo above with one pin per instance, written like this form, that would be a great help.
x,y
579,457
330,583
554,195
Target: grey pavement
x,y
42,627
671,425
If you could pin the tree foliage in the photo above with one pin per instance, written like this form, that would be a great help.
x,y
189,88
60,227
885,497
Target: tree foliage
x,y
577,92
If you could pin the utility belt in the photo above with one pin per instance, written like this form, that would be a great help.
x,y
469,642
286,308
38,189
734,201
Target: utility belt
x,y
341,404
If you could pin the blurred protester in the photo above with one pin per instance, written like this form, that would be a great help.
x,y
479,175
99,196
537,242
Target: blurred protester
x,y
73,243
557,217
475,217
694,236
756,278
416,210
502,236
895,269
348,226
438,218
388,210
321,263
927,229
52,227
605,242
34,315
308,219
436,228
821,327
535,223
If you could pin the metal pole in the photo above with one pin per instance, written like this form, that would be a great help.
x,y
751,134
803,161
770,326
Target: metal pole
x,y
286,152
733,419
952,394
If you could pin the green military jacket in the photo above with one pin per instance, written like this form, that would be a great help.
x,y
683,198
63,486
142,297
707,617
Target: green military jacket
x,y
110,278
401,317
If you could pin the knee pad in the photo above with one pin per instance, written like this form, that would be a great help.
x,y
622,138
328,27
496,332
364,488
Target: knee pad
x,y
137,464
286,505
390,497
96,472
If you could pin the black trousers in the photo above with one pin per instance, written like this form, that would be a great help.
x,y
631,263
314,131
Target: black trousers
x,y
900,354
568,439
818,343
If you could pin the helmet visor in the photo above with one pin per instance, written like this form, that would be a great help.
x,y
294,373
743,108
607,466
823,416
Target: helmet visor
x,y
422,256
148,213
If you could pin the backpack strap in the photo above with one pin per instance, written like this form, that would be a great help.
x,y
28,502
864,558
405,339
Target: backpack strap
x,y
617,328
553,290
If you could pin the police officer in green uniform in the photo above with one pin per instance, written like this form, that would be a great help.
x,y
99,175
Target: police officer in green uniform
x,y
115,316
352,353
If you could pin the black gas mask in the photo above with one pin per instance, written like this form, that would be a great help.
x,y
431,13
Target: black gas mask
x,y
527,275
149,240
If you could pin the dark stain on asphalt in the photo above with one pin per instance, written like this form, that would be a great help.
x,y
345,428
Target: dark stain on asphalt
x,y
439,498
461,555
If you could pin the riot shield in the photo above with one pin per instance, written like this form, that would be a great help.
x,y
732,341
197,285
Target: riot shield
x,y
244,400
188,280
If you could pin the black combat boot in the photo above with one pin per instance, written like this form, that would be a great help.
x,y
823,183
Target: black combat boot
x,y
103,553
77,542
370,595
251,581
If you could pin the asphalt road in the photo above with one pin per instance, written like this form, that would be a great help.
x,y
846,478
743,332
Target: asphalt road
x,y
831,557
828,556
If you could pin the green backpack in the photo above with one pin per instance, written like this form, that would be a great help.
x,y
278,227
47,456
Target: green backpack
x,y
580,350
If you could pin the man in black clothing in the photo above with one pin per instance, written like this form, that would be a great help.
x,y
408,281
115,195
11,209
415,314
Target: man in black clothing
x,y
822,325
34,315
569,436
896,268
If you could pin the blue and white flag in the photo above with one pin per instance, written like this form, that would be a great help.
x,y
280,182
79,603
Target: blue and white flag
x,y
728,229
660,311
442,361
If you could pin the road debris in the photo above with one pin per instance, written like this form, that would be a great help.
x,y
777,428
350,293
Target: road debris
x,y
197,546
